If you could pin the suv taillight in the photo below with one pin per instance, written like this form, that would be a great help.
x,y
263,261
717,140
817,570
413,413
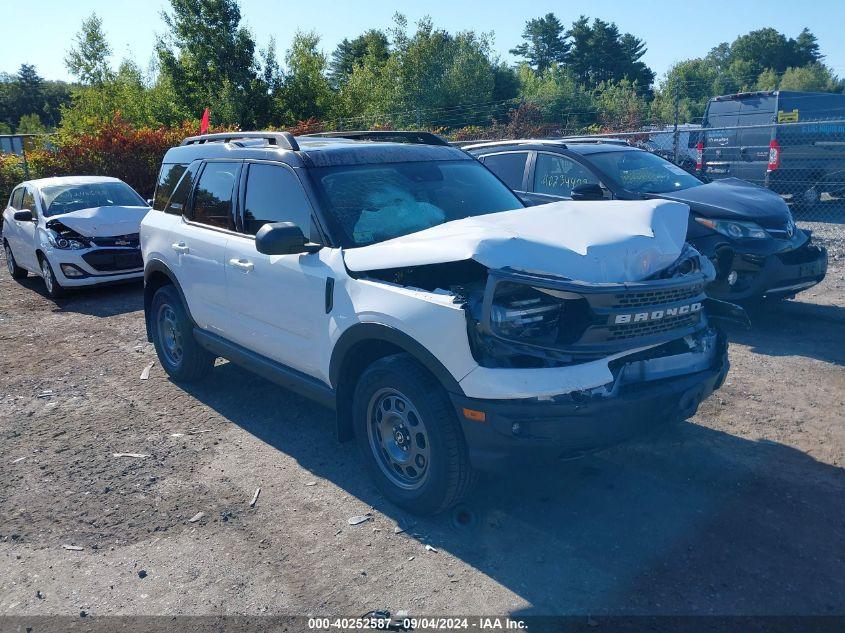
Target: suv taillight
x,y
774,155
699,155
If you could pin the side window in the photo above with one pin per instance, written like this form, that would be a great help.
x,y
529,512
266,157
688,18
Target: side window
x,y
16,199
168,178
510,167
273,194
213,195
28,201
177,205
557,175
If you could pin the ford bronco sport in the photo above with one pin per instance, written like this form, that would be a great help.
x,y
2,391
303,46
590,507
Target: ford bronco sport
x,y
407,287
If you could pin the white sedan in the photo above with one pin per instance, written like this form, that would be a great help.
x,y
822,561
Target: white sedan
x,y
74,231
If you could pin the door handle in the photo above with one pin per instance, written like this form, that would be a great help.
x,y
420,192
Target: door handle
x,y
181,248
242,264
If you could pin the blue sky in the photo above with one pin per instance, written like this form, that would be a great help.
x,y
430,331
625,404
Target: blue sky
x,y
40,31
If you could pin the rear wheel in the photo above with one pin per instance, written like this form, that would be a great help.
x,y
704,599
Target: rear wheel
x,y
409,436
180,355
14,270
51,284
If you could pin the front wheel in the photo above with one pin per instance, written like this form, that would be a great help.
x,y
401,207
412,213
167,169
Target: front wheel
x,y
180,355
410,437
54,289
14,270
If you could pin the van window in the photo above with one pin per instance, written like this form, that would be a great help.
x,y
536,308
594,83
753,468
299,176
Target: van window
x,y
214,195
722,113
168,178
273,194
510,167
757,110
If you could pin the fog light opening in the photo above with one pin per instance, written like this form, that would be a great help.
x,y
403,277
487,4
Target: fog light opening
x,y
71,271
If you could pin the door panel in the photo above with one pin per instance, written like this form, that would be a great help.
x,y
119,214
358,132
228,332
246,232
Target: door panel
x,y
278,304
24,251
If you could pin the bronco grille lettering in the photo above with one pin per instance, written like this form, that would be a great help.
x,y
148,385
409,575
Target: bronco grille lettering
x,y
656,315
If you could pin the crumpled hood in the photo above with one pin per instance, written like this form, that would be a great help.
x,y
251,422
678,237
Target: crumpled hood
x,y
587,241
734,199
103,221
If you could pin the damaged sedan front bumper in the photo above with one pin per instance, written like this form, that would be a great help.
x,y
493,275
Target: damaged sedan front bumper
x,y
647,391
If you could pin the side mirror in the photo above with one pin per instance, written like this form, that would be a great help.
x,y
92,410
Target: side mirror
x,y
24,216
283,238
587,191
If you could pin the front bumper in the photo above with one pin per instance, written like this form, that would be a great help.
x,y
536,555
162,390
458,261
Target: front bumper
x,y
778,274
531,429
73,268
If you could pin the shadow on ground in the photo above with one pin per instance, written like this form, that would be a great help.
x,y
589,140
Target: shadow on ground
x,y
99,301
795,328
690,521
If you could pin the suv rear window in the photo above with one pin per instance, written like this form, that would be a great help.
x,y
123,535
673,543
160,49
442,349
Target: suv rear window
x,y
168,178
213,195
372,203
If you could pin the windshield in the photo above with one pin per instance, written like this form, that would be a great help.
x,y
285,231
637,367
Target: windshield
x,y
643,172
58,199
372,203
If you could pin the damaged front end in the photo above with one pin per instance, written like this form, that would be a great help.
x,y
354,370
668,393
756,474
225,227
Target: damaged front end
x,y
525,320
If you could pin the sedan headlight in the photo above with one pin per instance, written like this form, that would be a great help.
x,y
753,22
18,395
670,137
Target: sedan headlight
x,y
66,243
735,229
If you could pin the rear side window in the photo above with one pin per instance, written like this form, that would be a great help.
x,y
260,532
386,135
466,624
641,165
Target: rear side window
x,y
168,178
273,194
510,167
557,175
214,194
17,197
178,203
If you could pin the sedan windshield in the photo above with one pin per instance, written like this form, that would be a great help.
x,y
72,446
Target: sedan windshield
x,y
643,172
372,203
57,199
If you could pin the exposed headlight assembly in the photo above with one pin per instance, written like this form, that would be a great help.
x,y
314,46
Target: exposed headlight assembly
x,y
66,243
520,312
734,229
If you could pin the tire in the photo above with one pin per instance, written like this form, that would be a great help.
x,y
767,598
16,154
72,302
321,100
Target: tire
x,y
14,270
180,355
396,401
54,289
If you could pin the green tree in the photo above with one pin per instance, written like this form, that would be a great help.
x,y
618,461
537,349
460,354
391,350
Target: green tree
x,y
88,59
30,124
209,59
28,91
544,43
601,53
621,106
559,96
306,92
372,45
814,77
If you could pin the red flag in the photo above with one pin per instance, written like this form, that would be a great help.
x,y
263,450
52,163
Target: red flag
x,y
204,121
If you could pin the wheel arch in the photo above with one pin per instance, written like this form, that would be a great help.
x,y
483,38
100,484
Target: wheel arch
x,y
363,344
157,274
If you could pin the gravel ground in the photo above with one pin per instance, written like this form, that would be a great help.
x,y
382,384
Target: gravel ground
x,y
738,512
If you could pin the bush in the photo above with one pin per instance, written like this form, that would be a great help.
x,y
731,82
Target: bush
x,y
11,174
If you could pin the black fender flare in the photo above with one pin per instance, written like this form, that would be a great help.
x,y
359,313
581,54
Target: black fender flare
x,y
379,331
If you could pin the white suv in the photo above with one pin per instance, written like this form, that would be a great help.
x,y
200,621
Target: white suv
x,y
74,231
408,288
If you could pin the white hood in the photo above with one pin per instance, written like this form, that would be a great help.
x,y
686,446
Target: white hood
x,y
103,221
586,241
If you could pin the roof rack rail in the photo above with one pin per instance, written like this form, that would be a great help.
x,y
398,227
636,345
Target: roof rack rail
x,y
594,139
284,140
402,136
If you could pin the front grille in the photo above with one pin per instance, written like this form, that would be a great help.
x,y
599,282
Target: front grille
x,y
112,259
128,241
657,297
638,330
799,256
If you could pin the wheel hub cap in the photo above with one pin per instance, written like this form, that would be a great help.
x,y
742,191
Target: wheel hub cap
x,y
398,438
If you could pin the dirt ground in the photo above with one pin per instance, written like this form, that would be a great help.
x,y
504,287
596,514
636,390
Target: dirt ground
x,y
738,512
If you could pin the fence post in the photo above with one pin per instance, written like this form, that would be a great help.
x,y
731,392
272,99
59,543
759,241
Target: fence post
x,y
675,133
